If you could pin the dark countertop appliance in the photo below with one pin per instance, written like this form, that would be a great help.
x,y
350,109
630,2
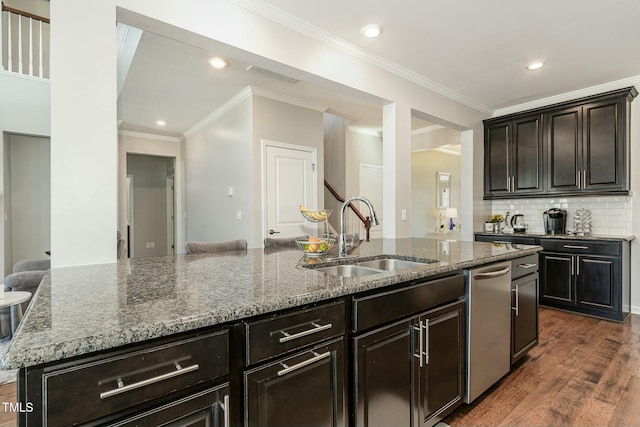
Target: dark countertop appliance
x,y
555,221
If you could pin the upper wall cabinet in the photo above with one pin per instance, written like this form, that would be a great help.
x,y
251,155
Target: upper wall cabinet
x,y
582,149
513,157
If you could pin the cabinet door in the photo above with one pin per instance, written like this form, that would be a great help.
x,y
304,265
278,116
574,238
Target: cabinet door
x,y
596,282
524,315
441,385
207,408
557,279
497,176
563,145
384,366
306,389
526,150
604,153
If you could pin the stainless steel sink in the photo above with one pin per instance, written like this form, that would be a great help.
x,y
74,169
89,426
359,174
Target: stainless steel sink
x,y
348,270
391,264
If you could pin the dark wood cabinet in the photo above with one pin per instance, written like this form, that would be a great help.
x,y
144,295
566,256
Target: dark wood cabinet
x,y
305,389
576,147
410,373
524,305
589,277
207,408
587,148
524,315
441,377
513,157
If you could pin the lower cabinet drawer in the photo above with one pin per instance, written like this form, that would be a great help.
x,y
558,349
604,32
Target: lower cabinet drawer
x,y
108,386
384,307
523,266
279,334
586,247
206,408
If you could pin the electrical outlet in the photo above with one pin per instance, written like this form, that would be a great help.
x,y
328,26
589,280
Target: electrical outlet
x,y
153,244
238,214
404,214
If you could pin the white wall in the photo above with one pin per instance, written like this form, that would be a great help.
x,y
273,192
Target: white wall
x,y
424,165
217,157
281,122
84,141
84,100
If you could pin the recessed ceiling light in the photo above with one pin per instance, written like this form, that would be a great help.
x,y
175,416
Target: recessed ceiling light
x,y
218,63
371,31
161,122
535,65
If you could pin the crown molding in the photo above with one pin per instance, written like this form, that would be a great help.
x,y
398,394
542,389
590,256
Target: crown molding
x,y
258,91
238,98
290,21
244,94
153,136
568,96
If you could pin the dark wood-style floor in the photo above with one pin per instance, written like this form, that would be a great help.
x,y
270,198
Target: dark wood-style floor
x,y
584,372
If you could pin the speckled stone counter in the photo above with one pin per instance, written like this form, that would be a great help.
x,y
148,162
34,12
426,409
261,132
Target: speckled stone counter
x,y
561,236
80,310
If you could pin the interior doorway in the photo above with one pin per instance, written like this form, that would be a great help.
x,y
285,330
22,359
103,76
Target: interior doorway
x,y
27,198
151,205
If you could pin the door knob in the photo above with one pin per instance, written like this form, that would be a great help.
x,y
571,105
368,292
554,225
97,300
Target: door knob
x,y
272,231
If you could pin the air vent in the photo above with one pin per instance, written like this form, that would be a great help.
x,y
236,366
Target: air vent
x,y
271,74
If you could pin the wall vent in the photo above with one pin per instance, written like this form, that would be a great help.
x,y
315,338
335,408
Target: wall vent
x,y
271,74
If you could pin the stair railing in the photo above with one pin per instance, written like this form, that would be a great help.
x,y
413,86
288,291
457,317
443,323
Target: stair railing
x,y
40,23
365,220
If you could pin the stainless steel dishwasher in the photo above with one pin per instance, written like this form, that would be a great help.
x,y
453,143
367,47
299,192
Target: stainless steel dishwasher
x,y
488,296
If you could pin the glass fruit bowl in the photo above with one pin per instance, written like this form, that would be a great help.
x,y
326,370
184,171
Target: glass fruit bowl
x,y
315,216
315,247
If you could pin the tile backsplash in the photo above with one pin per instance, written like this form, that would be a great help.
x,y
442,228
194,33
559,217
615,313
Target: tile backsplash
x,y
611,215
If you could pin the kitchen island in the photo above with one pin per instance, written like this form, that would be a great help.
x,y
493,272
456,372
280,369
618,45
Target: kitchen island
x,y
82,313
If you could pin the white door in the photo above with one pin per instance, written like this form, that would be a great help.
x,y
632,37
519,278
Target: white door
x,y
290,181
370,182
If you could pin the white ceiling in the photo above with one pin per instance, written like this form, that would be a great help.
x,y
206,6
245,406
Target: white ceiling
x,y
474,51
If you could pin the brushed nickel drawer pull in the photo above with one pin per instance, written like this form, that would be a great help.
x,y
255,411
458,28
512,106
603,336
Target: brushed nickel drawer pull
x,y
125,388
225,407
316,328
302,364
527,265
575,247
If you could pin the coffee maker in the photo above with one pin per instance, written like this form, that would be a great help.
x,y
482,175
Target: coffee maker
x,y
555,221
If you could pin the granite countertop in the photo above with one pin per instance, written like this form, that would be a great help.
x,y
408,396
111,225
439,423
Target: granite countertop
x,y
561,236
80,310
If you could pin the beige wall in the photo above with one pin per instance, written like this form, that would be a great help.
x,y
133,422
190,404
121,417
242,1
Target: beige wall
x,y
149,203
424,165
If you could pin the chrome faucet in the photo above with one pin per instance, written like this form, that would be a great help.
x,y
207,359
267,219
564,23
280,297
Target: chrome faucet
x,y
342,243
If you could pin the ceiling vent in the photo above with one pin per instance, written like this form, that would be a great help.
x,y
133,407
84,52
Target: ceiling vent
x,y
271,74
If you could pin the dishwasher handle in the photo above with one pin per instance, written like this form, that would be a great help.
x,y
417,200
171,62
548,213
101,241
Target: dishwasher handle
x,y
492,274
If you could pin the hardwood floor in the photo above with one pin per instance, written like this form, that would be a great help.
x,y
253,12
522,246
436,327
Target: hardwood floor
x,y
584,372
7,395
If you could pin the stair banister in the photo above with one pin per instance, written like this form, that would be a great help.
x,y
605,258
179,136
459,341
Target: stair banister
x,y
365,220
